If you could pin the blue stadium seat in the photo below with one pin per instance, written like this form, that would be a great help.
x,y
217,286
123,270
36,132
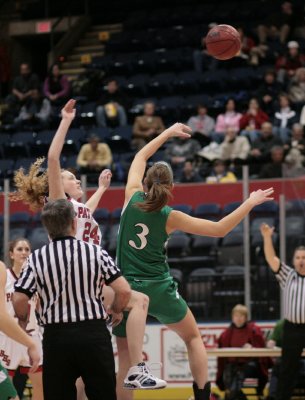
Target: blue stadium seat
x,y
185,208
208,211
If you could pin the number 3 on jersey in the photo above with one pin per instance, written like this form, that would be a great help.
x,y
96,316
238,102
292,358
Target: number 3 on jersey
x,y
142,236
91,235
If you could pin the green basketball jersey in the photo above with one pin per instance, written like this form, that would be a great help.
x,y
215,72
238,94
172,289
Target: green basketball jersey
x,y
142,240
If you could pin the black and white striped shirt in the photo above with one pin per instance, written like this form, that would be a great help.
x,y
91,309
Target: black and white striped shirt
x,y
68,275
293,286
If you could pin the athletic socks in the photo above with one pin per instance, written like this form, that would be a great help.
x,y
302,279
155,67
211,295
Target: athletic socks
x,y
202,394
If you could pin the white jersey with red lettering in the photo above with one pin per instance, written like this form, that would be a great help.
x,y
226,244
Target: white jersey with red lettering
x,y
14,354
87,228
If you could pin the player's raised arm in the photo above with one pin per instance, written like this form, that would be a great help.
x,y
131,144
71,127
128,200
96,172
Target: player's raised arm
x,y
180,221
56,190
103,184
271,257
137,168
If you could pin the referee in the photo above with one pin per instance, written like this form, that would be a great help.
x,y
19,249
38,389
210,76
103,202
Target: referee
x,y
292,282
68,275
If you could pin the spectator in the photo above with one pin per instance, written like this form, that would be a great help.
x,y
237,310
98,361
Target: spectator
x,y
179,150
56,86
268,92
230,118
147,126
279,24
252,120
112,105
274,169
94,156
292,282
287,65
231,372
220,173
35,113
295,147
23,86
234,149
189,174
260,149
276,340
284,118
202,125
296,87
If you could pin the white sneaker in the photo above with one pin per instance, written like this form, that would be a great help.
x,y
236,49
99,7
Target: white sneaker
x,y
140,377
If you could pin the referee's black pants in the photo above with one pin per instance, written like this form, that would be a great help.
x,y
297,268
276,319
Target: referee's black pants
x,y
71,350
293,344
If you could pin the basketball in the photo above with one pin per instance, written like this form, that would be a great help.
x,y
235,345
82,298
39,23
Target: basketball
x,y
223,42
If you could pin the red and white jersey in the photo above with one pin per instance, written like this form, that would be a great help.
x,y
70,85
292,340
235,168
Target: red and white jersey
x,y
87,228
32,326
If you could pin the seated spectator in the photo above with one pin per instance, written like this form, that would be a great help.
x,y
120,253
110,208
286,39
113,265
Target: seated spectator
x,y
220,173
230,118
179,150
274,169
56,86
278,24
147,126
22,87
112,105
189,174
296,144
231,372
234,148
296,88
35,113
252,120
268,92
260,149
288,64
284,118
202,125
93,157
276,340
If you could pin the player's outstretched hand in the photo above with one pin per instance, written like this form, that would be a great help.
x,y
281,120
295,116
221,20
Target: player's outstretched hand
x,y
68,112
261,196
180,130
266,230
34,356
104,179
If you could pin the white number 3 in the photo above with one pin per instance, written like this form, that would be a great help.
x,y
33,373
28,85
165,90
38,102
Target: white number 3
x,y
141,236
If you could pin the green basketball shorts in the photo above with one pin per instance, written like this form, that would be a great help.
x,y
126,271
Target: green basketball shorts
x,y
165,302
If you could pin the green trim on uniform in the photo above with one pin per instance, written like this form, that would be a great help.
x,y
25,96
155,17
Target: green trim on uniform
x,y
7,390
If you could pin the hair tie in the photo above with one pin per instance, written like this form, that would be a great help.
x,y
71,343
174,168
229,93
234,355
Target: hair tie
x,y
157,181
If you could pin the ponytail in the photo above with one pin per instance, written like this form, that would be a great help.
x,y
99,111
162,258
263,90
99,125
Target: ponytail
x,y
159,181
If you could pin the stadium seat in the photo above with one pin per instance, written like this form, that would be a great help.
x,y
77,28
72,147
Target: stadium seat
x,y
16,233
178,245
229,207
210,211
20,219
199,291
101,215
136,85
185,208
230,251
204,246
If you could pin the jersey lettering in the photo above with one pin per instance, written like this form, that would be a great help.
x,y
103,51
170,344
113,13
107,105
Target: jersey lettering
x,y
90,233
142,236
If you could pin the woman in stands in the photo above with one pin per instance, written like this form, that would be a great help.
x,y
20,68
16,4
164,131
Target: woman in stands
x,y
13,354
56,184
146,223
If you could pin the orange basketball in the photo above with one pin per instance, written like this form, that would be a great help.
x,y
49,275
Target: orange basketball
x,y
223,42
